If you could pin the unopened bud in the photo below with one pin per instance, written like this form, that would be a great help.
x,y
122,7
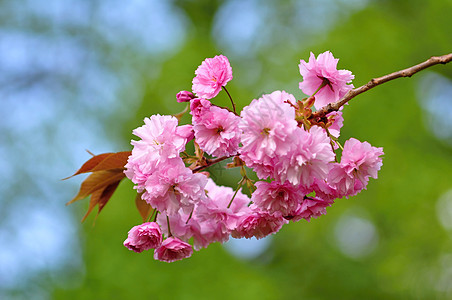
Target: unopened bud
x,y
309,102
184,96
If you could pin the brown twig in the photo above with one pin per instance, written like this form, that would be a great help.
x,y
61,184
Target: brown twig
x,y
211,162
408,72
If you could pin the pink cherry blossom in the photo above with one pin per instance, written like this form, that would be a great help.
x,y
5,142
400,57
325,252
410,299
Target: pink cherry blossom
x,y
184,96
206,232
310,207
258,224
144,237
211,75
359,161
139,167
161,139
173,249
215,206
174,186
186,131
308,159
267,125
276,197
212,219
335,128
320,70
199,107
217,132
178,224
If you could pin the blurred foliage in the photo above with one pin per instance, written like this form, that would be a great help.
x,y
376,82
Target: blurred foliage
x,y
304,261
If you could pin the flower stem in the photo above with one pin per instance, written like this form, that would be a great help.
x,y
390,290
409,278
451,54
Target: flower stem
x,y
324,83
151,215
236,191
232,102
169,228
211,162
179,115
189,217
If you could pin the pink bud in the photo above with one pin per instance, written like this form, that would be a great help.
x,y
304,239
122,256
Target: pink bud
x,y
184,96
186,131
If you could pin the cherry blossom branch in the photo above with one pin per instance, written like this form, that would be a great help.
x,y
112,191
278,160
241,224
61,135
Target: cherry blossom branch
x,y
210,162
230,98
408,72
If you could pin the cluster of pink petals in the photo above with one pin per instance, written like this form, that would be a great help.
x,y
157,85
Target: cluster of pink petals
x,y
267,127
359,161
144,237
276,197
308,159
184,96
320,70
216,131
258,224
211,219
310,207
157,169
161,140
173,249
297,159
174,187
211,75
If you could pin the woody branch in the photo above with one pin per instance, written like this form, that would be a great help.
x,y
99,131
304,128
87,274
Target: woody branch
x,y
408,72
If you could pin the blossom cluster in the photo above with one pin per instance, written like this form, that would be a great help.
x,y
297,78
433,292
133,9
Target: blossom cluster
x,y
294,156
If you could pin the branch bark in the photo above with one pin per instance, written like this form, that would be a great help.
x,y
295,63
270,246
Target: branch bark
x,y
408,72
211,162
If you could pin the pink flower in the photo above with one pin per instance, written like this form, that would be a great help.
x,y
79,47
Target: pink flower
x,y
258,224
144,237
310,207
276,197
173,249
359,161
178,224
206,232
139,167
217,132
213,220
337,123
161,139
267,125
215,206
174,186
324,191
186,131
184,96
211,75
320,70
198,108
309,158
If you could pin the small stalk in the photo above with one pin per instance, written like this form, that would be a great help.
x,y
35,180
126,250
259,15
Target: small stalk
x,y
232,102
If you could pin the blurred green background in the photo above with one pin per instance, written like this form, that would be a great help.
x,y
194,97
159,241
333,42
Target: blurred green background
x,y
83,74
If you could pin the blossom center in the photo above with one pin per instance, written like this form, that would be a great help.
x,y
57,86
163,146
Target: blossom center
x,y
325,82
265,131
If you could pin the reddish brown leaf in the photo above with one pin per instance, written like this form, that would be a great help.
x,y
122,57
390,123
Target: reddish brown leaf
x,y
106,195
100,197
143,207
92,202
114,161
96,181
90,164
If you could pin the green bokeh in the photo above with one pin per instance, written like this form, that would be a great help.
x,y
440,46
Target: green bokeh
x,y
304,261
